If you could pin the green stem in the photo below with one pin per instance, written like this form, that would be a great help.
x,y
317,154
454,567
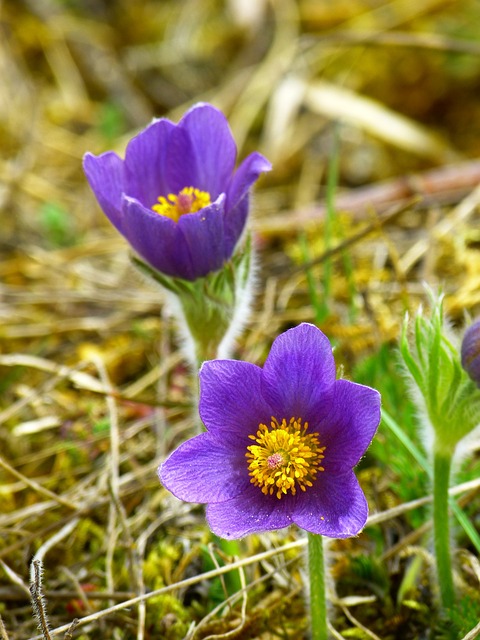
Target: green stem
x,y
318,602
332,183
441,526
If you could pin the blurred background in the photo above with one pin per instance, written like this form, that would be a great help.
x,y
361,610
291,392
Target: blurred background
x,y
381,90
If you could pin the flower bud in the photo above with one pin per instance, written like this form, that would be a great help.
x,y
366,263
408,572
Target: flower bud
x,y
470,352
446,394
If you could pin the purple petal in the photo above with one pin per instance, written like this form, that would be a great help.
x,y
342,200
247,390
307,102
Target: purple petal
x,y
212,146
146,160
157,239
231,403
203,233
470,352
203,469
237,206
105,174
350,425
182,169
335,506
249,512
188,249
299,374
246,174
235,221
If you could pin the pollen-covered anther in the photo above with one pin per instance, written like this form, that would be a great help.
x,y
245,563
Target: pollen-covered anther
x,y
188,200
285,457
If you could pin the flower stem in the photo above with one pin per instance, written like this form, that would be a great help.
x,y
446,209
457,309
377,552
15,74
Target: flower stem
x,y
318,602
441,526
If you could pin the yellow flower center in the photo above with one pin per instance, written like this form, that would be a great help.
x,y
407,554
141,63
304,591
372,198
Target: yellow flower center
x,y
284,457
189,200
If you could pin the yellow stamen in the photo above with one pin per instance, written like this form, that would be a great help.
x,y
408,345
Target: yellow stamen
x,y
189,200
284,458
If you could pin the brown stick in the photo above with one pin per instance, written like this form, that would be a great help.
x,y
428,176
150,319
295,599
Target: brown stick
x,y
445,186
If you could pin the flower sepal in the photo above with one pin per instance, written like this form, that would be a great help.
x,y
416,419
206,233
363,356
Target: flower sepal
x,y
447,398
211,308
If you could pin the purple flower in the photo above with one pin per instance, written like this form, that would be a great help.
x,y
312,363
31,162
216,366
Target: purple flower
x,y
281,443
470,352
176,197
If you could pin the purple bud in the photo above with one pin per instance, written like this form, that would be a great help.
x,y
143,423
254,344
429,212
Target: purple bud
x,y
470,352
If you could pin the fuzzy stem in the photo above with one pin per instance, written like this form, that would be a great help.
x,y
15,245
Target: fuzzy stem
x,y
318,602
441,476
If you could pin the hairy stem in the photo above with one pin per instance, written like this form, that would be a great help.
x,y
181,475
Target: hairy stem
x,y
318,602
441,525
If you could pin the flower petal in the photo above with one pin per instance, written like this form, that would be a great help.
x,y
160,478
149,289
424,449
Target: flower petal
x,y
299,374
203,233
203,469
182,168
470,352
335,506
146,159
188,249
231,403
237,205
106,176
157,239
350,425
213,148
235,221
246,174
249,512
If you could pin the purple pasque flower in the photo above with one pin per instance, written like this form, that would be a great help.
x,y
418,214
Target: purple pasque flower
x,y
176,197
281,443
470,352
